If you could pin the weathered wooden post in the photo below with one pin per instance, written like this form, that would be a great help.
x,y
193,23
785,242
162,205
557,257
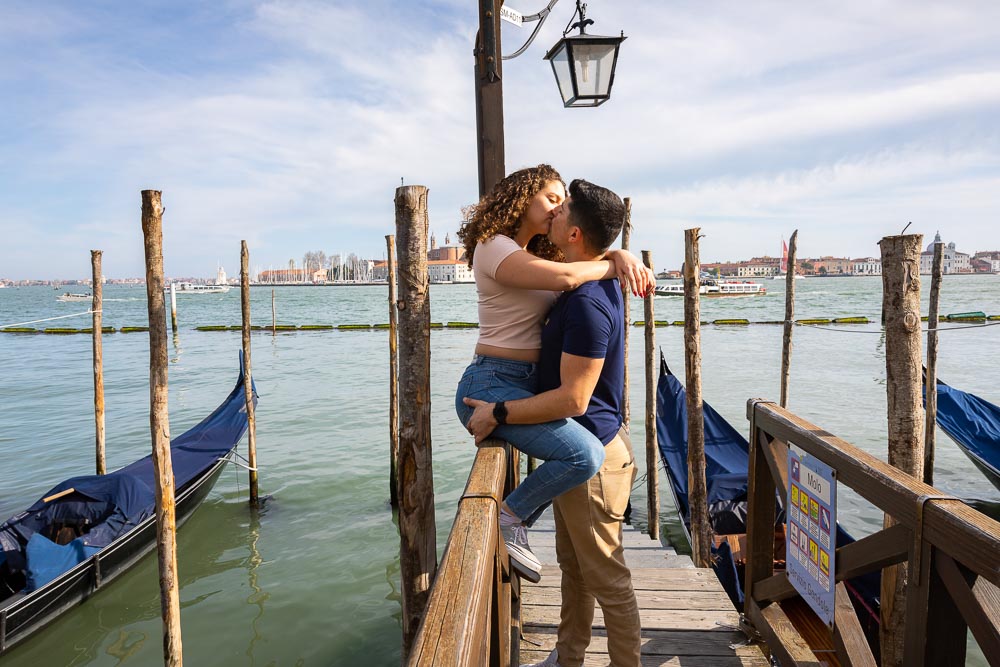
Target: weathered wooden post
x,y
786,343
173,307
97,324
930,381
159,425
390,244
274,322
901,287
701,528
418,545
626,302
652,455
247,375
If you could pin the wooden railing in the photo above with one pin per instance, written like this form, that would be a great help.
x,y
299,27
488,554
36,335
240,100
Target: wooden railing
x,y
952,552
473,614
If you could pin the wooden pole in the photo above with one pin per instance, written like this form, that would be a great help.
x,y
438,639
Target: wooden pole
x,y
901,288
98,347
786,343
274,322
489,97
418,543
390,244
701,527
930,381
652,455
173,307
247,375
626,303
159,425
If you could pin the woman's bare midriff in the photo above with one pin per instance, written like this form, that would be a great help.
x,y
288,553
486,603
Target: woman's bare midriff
x,y
507,353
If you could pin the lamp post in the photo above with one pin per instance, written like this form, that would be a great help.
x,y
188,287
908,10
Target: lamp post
x,y
584,66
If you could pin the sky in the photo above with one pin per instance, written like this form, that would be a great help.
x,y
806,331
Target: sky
x,y
290,123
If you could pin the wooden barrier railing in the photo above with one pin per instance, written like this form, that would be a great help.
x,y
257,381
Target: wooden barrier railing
x,y
952,552
473,614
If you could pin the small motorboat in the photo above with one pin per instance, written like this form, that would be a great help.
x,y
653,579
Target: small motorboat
x,y
72,296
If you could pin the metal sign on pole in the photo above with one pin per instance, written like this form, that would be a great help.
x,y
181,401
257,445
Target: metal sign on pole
x,y
511,16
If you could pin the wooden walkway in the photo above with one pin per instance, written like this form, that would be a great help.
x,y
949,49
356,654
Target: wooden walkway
x,y
687,619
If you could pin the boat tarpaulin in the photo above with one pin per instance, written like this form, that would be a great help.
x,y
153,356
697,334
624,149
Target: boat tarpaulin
x,y
727,456
101,508
974,425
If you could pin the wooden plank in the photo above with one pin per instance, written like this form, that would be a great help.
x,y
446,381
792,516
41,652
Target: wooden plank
x,y
873,552
776,456
782,638
761,509
966,535
533,615
656,579
703,600
601,660
983,621
455,626
773,589
848,637
660,642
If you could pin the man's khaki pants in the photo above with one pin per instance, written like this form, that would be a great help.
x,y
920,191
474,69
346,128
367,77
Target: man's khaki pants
x,y
589,548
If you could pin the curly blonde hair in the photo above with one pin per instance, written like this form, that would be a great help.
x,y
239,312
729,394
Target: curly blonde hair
x,y
501,210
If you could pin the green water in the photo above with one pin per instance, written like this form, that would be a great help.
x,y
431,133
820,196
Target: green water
x,y
314,580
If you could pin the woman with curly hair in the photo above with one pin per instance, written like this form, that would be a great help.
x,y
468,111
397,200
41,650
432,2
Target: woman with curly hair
x,y
519,274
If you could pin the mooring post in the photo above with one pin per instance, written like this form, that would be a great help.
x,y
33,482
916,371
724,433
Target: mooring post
x,y
274,328
901,289
98,347
418,542
930,381
390,245
786,342
626,303
247,375
173,307
652,455
159,425
701,528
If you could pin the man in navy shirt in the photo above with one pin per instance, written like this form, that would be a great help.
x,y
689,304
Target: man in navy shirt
x,y
581,374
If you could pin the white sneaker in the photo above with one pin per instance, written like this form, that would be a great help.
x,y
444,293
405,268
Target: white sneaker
x,y
551,661
524,562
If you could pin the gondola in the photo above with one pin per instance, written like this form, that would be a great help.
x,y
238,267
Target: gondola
x,y
87,530
974,425
727,462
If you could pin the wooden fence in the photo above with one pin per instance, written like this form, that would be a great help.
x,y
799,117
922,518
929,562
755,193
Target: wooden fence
x,y
951,551
473,614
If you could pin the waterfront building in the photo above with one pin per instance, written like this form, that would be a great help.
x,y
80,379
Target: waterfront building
x,y
989,260
831,266
867,266
954,261
759,267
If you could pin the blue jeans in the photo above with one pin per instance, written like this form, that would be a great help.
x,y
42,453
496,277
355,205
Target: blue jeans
x,y
572,454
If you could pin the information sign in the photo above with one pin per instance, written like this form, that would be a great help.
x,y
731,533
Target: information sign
x,y
811,538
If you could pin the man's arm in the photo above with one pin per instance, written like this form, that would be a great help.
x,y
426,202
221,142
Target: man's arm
x,y
578,376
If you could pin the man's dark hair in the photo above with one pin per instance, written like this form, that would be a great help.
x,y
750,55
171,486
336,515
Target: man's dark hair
x,y
598,212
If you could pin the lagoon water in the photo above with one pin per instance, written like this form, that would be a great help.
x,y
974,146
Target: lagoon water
x,y
314,579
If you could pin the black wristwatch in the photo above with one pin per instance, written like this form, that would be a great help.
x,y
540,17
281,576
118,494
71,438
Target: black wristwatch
x,y
500,412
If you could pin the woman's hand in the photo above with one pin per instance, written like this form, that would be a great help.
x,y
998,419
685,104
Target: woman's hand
x,y
632,272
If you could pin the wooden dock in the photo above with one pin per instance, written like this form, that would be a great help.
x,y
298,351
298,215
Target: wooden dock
x,y
687,619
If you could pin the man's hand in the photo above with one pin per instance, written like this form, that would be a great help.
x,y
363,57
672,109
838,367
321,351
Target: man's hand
x,y
482,423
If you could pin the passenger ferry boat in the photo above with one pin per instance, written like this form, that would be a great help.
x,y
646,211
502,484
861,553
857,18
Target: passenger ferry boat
x,y
71,296
221,286
712,288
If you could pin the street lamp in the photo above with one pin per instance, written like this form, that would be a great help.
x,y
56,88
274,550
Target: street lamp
x,y
584,66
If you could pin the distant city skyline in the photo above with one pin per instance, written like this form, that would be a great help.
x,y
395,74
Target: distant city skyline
x,y
290,123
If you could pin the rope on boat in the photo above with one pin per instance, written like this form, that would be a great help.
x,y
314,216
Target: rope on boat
x,y
245,466
880,332
48,319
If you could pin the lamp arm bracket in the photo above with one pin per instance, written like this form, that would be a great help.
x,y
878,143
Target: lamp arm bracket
x,y
540,17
